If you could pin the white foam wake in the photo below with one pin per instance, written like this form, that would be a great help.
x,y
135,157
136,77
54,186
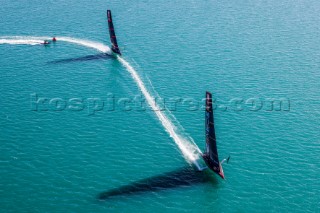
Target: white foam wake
x,y
20,41
32,40
86,43
189,149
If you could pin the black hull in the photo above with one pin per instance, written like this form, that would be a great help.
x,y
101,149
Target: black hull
x,y
216,168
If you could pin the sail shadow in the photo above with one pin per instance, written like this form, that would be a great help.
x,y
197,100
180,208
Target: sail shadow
x,y
100,56
183,177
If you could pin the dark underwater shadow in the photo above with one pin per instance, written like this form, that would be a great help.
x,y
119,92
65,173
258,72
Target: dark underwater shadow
x,y
183,177
101,56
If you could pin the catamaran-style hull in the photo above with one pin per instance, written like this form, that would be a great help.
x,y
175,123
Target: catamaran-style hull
x,y
216,169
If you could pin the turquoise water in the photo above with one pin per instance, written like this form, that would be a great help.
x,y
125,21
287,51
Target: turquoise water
x,y
61,160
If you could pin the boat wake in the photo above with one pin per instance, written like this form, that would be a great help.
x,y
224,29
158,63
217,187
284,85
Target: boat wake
x,y
189,149
20,41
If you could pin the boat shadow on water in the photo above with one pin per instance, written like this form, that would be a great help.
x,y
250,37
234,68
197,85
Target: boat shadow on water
x,y
186,176
101,56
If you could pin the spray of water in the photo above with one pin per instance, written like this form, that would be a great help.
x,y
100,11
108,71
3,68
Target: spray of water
x,y
20,41
189,149
91,44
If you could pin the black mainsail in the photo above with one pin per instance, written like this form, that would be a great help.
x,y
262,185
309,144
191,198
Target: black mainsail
x,y
211,154
112,33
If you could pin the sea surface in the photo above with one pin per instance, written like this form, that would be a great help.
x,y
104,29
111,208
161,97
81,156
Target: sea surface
x,y
81,131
